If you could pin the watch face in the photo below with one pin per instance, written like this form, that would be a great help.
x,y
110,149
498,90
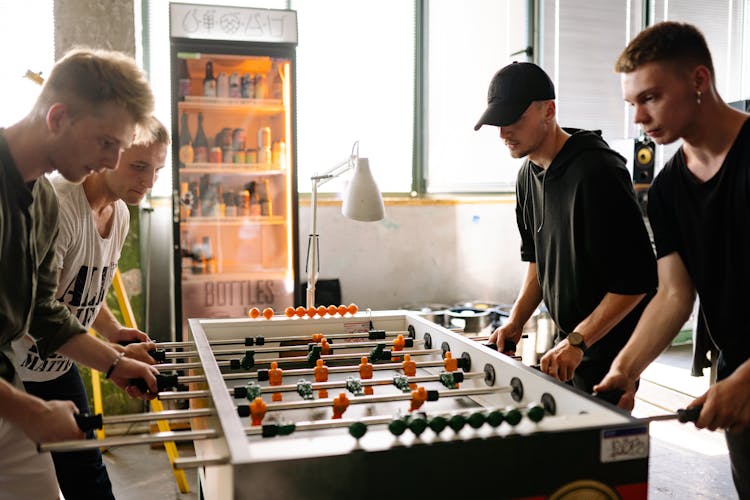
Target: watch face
x,y
575,338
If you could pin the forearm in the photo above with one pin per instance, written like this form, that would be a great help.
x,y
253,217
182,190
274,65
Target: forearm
x,y
18,405
528,298
661,321
610,311
106,324
90,351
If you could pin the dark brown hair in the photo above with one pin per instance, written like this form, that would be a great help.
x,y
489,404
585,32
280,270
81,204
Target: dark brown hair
x,y
678,43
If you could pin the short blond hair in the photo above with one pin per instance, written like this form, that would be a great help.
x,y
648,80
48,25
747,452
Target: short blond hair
x,y
151,132
84,79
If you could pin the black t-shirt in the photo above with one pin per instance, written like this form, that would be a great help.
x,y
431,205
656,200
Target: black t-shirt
x,y
708,225
581,225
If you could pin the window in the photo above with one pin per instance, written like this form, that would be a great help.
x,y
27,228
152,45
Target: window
x,y
468,42
355,68
34,29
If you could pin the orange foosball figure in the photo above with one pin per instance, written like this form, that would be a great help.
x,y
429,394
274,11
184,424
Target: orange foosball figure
x,y
398,345
321,375
418,397
340,404
257,411
410,369
325,347
275,374
365,372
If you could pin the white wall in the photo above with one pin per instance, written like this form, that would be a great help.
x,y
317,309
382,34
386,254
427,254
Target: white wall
x,y
424,253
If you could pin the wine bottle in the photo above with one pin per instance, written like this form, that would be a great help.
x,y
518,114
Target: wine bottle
x,y
184,79
200,144
277,84
209,83
186,143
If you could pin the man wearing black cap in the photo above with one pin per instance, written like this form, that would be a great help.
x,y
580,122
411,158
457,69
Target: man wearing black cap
x,y
582,233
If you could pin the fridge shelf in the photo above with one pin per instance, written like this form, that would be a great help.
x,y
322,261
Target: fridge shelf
x,y
201,103
234,221
255,169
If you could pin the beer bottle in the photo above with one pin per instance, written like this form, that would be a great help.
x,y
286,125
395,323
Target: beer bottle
x,y
186,143
200,144
209,83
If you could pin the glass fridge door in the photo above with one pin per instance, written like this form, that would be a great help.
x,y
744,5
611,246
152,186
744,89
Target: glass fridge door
x,y
234,184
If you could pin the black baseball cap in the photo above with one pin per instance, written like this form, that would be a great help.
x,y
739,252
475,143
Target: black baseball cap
x,y
512,90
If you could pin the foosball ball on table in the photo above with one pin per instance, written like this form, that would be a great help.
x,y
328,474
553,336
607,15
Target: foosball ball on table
x,y
385,404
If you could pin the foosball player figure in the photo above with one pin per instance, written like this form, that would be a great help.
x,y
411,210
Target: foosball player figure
x,y
321,375
257,411
325,347
398,345
410,369
340,404
418,397
317,337
275,374
365,373
451,363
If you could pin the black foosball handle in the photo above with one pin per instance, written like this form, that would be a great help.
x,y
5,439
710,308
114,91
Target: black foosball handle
x,y
88,422
509,346
159,355
689,414
611,396
163,382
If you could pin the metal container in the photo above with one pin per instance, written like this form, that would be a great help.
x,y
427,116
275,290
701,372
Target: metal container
x,y
437,313
470,319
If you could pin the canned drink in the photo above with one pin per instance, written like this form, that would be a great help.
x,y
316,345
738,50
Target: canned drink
x,y
239,156
251,156
215,155
246,86
238,139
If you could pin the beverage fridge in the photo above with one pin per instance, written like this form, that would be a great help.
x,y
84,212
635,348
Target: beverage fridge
x,y
233,154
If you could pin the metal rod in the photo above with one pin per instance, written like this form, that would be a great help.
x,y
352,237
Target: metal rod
x,y
304,371
160,437
162,415
290,348
356,335
195,462
320,403
365,382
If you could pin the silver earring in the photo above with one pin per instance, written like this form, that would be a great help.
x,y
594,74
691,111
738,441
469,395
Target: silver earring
x,y
698,95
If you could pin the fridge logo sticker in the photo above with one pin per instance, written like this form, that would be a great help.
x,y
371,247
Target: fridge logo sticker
x,y
234,24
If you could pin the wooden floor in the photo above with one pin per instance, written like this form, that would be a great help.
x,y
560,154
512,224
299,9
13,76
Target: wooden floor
x,y
685,463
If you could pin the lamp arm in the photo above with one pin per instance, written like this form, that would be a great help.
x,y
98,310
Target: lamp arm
x,y
312,242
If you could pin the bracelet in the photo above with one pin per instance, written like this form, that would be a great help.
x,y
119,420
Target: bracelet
x,y
114,364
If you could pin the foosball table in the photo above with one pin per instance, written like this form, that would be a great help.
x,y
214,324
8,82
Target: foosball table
x,y
386,404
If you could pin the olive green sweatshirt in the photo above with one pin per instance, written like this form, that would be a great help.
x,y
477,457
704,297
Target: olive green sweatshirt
x,y
28,267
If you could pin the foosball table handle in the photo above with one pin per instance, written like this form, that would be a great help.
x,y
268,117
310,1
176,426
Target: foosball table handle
x,y
88,422
163,382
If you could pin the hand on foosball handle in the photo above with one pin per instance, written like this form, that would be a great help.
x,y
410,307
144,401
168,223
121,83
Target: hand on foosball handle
x,y
88,422
159,355
163,382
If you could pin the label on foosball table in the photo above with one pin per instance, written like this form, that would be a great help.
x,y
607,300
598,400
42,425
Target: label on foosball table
x,y
618,445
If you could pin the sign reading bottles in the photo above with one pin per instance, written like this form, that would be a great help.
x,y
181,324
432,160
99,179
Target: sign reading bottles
x,y
233,298
212,22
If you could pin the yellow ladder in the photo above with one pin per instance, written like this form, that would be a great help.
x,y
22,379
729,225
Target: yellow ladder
x,y
156,406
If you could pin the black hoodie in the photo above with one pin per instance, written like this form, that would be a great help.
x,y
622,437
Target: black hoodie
x,y
580,223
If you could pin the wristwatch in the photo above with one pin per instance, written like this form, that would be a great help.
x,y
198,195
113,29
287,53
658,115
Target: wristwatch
x,y
576,339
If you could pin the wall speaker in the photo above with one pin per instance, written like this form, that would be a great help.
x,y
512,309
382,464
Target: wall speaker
x,y
643,161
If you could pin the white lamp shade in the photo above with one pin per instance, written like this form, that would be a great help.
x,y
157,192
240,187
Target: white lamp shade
x,y
363,200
